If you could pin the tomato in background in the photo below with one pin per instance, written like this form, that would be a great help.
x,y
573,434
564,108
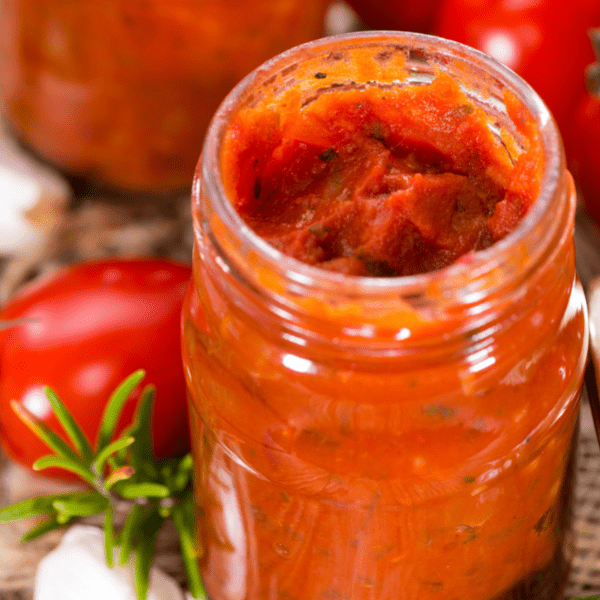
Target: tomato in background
x,y
584,137
93,324
585,163
399,15
544,41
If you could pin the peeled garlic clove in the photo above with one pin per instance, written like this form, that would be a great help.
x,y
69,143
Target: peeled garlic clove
x,y
77,570
33,199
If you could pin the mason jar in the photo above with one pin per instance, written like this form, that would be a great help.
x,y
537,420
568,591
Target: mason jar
x,y
385,438
121,92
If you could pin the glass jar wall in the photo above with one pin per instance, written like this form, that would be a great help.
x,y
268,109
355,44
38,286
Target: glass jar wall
x,y
122,91
384,438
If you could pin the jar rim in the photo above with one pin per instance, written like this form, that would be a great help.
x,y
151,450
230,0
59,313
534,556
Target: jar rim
x,y
467,268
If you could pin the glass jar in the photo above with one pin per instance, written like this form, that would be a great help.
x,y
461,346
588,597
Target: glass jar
x,y
121,91
384,438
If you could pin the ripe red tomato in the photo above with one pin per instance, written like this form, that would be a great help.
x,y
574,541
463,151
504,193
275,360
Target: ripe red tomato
x,y
583,139
544,41
585,156
400,15
91,325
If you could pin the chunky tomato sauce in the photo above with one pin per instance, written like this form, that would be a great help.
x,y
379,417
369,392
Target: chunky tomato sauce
x,y
358,182
357,450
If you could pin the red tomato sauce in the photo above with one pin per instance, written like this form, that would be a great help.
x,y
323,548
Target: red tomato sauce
x,y
380,182
336,464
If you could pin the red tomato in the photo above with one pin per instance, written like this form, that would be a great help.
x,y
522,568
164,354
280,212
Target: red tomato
x,y
92,325
585,153
400,15
544,41
583,140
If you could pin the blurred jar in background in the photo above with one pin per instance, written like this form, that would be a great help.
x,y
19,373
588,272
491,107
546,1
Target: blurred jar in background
x,y
121,91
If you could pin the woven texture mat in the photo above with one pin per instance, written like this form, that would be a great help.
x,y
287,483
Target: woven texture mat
x,y
584,579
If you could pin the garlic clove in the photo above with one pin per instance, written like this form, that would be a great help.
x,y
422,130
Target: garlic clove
x,y
33,199
77,570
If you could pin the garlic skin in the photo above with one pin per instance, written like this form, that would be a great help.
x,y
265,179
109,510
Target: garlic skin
x,y
77,570
33,199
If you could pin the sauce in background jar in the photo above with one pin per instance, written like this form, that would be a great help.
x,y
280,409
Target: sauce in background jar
x,y
385,437
122,91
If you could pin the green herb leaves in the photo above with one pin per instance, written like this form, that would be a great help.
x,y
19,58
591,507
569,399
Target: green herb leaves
x,y
116,470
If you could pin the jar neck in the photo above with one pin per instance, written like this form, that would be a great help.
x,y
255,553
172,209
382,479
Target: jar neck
x,y
382,315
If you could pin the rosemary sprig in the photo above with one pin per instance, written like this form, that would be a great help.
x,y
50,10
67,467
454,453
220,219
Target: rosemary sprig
x,y
116,470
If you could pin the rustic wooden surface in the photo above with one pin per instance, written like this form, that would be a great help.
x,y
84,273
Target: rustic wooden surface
x,y
104,225
587,247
